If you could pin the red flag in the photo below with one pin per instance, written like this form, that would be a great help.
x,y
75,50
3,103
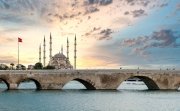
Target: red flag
x,y
19,39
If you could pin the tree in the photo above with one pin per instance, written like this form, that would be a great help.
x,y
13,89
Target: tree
x,y
12,65
23,67
49,67
38,66
20,67
3,67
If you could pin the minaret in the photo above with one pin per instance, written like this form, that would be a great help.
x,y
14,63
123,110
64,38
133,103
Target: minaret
x,y
61,49
40,53
75,52
67,49
50,49
44,58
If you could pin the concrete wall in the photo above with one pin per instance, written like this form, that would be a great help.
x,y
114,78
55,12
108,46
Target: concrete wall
x,y
91,79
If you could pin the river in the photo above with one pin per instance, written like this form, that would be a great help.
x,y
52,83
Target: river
x,y
123,99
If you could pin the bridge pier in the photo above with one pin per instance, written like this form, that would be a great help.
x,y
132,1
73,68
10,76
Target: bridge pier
x,y
13,86
168,85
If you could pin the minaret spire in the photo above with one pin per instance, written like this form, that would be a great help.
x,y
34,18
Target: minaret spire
x,y
44,58
61,49
40,53
50,48
67,49
75,50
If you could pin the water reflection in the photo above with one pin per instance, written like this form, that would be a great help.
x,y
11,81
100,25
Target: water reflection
x,y
132,85
89,100
74,85
3,86
27,85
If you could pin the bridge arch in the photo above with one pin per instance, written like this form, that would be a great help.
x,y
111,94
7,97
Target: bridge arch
x,y
150,83
37,83
3,80
87,83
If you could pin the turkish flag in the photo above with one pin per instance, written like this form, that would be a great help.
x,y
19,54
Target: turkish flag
x,y
19,39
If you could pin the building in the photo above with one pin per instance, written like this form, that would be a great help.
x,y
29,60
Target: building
x,y
59,60
30,67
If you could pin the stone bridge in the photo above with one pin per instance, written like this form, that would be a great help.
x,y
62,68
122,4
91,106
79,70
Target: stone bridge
x,y
92,79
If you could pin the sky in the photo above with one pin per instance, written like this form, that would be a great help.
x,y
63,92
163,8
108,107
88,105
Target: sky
x,y
110,33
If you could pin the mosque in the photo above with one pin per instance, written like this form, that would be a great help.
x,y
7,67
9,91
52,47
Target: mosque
x,y
59,60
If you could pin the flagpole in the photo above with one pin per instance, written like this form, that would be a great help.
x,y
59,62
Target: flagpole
x,y
18,55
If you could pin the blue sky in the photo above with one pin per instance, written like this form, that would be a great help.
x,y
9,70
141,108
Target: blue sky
x,y
160,19
110,33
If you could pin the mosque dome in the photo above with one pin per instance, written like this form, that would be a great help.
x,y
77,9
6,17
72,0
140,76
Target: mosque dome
x,y
60,61
60,56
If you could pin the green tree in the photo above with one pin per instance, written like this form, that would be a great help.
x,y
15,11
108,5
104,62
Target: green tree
x,y
3,67
20,67
23,67
38,66
49,67
12,65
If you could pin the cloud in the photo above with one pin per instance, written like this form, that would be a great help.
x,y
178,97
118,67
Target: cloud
x,y
73,15
5,5
126,13
158,39
91,9
7,59
50,10
166,38
105,34
4,40
99,33
178,6
24,11
16,19
163,5
100,2
34,11
131,2
144,3
138,13
105,2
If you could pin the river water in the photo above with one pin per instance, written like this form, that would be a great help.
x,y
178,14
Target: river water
x,y
123,99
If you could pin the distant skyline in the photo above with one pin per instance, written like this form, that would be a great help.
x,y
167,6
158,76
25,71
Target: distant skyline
x,y
110,33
